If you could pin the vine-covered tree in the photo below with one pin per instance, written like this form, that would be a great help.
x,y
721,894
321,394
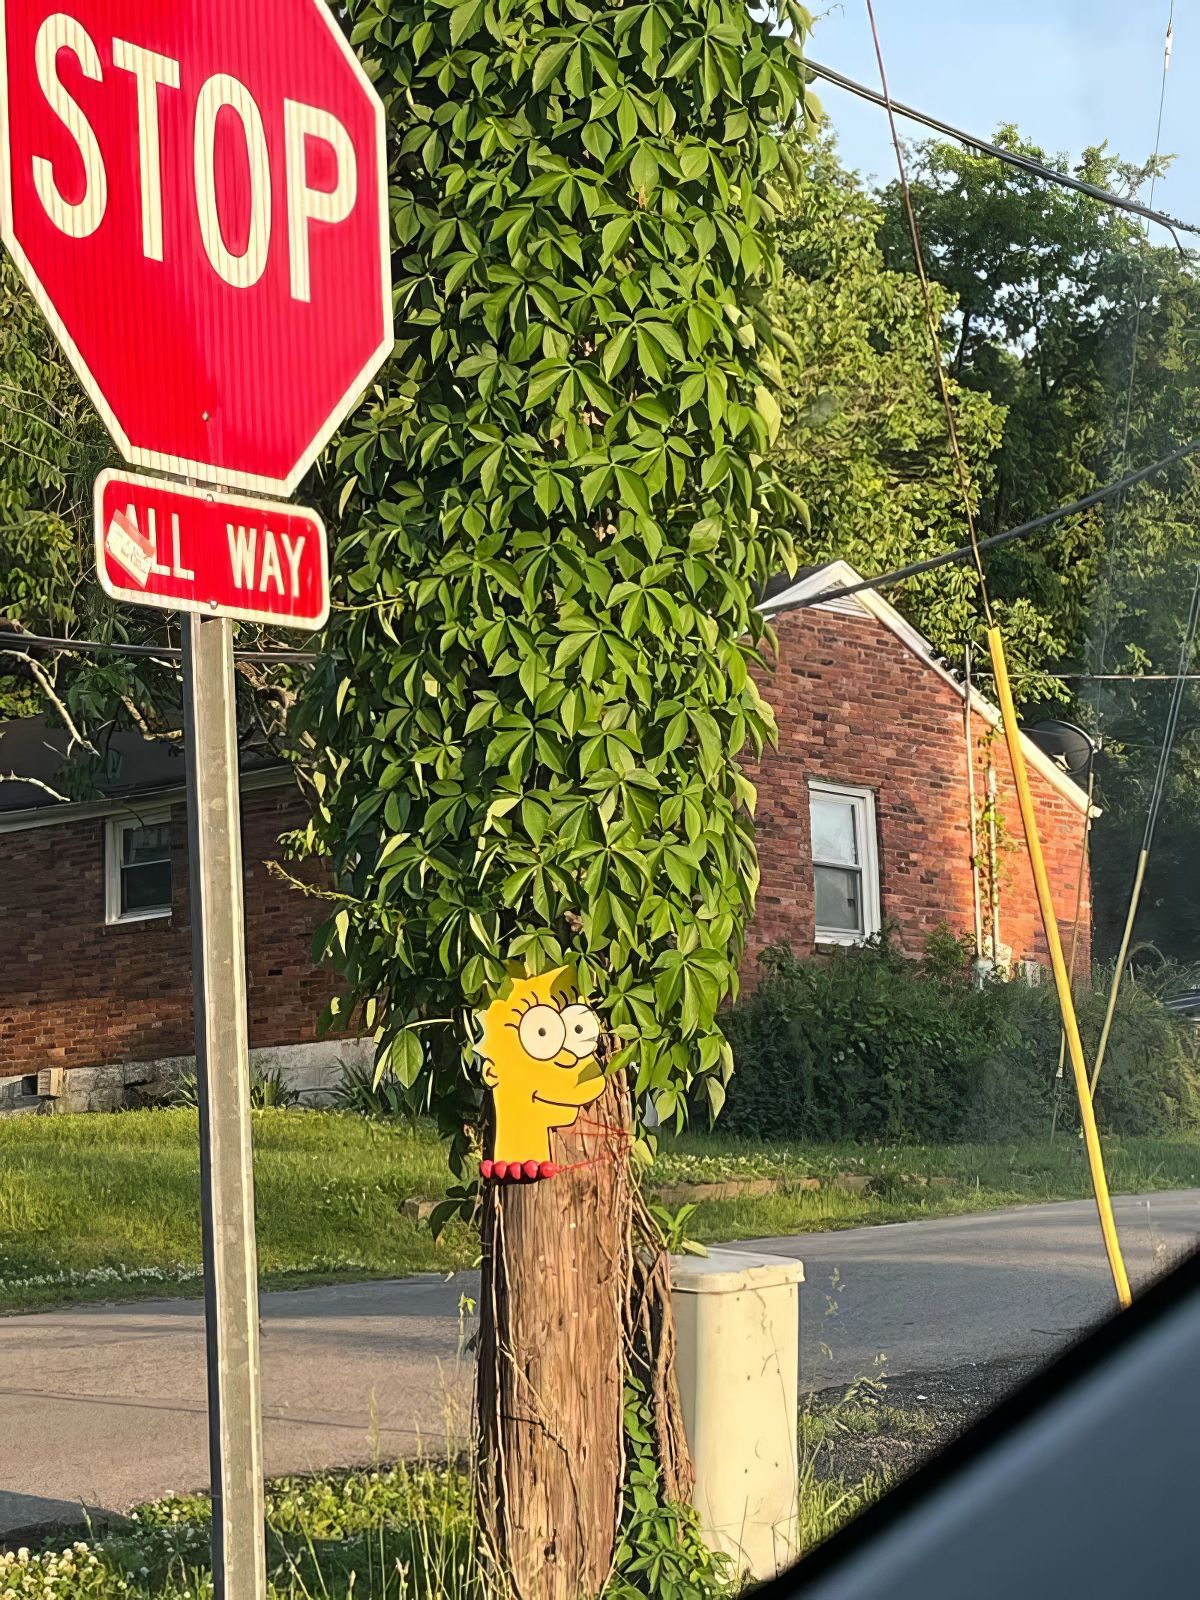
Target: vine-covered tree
x,y
524,734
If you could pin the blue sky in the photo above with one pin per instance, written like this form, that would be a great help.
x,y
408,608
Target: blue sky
x,y
1069,73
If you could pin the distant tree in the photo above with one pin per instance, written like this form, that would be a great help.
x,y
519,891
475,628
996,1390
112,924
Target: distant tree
x,y
1067,315
864,441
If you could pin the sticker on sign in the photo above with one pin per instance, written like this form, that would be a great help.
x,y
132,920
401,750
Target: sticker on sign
x,y
184,549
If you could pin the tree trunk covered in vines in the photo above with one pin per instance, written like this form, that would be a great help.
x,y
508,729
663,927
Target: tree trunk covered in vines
x,y
556,1275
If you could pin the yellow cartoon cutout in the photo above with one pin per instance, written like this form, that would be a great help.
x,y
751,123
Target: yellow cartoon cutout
x,y
538,1045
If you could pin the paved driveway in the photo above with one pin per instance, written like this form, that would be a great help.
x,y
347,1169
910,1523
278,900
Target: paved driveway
x,y
105,1405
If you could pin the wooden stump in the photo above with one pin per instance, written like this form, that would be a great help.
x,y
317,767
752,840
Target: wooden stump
x,y
555,1287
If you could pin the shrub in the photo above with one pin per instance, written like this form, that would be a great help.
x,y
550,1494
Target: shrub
x,y
867,1045
361,1092
269,1091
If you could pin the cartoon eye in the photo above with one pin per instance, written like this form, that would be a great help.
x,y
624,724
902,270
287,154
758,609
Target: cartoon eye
x,y
583,1030
542,1032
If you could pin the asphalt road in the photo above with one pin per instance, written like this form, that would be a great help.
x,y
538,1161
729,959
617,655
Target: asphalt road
x,y
105,1405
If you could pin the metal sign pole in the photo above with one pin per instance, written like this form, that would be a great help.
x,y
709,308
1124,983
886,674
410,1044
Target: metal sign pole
x,y
223,1069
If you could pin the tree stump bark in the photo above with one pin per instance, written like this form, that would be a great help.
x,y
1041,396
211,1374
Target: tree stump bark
x,y
557,1273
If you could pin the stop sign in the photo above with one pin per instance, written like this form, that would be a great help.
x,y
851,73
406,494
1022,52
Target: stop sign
x,y
196,192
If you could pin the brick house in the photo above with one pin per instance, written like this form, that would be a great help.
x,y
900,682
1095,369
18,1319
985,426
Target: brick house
x,y
863,818
95,933
864,812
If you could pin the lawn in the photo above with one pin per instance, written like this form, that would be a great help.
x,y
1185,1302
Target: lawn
x,y
105,1207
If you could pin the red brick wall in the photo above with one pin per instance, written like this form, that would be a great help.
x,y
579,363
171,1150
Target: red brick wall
x,y
77,993
854,705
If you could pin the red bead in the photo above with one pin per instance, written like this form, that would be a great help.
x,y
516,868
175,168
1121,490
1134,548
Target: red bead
x,y
485,1168
500,1168
548,1169
531,1169
514,1172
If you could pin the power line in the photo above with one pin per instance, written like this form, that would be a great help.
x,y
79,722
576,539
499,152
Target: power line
x,y
1012,158
1120,677
12,638
914,568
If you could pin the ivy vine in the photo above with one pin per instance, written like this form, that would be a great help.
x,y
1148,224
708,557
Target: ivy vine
x,y
556,512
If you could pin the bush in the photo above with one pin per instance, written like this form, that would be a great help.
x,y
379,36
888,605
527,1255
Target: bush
x,y
269,1091
867,1045
361,1092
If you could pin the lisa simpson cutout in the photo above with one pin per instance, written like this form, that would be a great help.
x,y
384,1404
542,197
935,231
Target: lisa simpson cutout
x,y
539,1043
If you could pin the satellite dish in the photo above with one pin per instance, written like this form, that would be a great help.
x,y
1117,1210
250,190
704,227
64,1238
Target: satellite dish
x,y
1068,746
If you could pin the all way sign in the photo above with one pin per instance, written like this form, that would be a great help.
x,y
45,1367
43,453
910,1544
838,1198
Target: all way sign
x,y
183,549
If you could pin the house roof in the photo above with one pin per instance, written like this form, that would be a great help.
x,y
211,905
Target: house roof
x,y
31,748
815,581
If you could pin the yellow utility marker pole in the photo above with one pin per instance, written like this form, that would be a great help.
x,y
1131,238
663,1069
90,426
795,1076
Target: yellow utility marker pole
x,y
1016,753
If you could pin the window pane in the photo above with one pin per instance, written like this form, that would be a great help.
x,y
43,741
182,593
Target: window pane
x,y
834,836
140,845
839,900
146,888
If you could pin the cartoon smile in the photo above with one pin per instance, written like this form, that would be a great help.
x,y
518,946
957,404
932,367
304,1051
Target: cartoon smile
x,y
539,1045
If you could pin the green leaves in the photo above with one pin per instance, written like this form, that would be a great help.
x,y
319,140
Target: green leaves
x,y
643,169
554,513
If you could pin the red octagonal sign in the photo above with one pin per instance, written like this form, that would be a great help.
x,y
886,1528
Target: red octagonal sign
x,y
196,192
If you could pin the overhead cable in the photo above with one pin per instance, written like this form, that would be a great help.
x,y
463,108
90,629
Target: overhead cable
x,y
1012,158
914,568
13,639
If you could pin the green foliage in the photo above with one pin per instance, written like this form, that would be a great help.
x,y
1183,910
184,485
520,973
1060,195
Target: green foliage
x,y
52,446
50,442
661,1552
372,1094
402,1532
269,1091
868,1045
1079,325
864,439
555,512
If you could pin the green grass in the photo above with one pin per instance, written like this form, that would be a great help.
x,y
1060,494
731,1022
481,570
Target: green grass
x,y
829,1428
978,1178
105,1207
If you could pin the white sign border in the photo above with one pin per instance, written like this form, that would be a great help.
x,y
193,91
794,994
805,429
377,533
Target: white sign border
x,y
177,465
204,608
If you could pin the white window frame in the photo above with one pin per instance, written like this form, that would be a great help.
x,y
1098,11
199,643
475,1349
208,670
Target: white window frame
x,y
115,829
863,803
